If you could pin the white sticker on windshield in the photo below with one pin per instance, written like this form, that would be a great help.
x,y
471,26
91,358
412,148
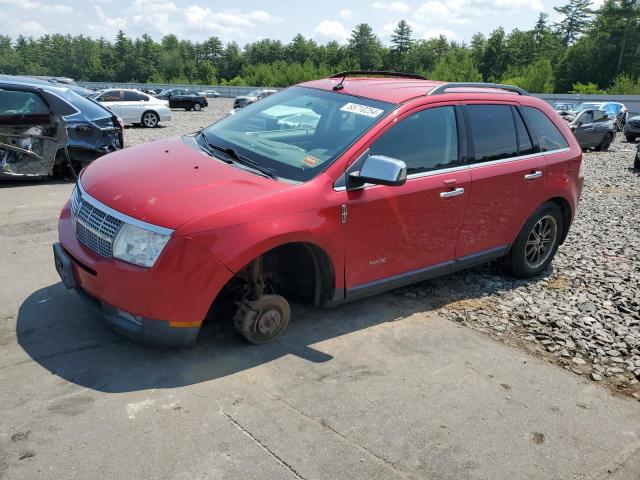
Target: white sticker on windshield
x,y
361,110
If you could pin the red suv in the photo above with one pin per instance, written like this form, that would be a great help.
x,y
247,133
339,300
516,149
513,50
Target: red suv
x,y
328,191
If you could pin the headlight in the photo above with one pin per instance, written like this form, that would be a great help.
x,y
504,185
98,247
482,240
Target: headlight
x,y
138,246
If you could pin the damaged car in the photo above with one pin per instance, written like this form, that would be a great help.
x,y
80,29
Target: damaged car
x,y
32,133
92,129
593,128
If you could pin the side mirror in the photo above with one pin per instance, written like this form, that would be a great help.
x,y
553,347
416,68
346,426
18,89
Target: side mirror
x,y
379,170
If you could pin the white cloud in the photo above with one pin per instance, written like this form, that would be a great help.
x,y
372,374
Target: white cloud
x,y
464,11
226,24
14,27
331,30
396,7
346,14
436,32
36,6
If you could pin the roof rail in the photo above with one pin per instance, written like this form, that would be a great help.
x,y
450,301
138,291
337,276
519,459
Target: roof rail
x,y
382,73
440,89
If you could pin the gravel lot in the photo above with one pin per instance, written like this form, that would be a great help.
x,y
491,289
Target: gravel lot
x,y
584,313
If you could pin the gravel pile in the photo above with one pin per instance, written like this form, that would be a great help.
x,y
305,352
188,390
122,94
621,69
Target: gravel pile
x,y
583,313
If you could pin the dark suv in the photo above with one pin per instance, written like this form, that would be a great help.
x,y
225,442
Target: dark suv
x,y
183,98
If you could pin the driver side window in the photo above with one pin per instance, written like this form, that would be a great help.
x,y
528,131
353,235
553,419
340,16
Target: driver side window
x,y
425,141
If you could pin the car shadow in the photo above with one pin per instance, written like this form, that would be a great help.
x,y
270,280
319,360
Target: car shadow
x,y
31,182
58,332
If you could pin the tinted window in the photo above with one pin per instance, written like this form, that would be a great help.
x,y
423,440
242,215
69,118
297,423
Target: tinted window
x,y
89,108
493,132
548,135
525,145
427,140
14,102
132,96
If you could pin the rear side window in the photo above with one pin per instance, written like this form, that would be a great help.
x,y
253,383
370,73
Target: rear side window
x,y
525,145
493,132
548,135
14,102
425,141
133,96
598,115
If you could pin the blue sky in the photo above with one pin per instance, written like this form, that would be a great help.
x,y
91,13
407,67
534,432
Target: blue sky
x,y
250,20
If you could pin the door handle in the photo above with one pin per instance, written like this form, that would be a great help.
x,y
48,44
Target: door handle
x,y
452,193
533,176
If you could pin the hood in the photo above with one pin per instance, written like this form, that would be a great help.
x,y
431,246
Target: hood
x,y
168,183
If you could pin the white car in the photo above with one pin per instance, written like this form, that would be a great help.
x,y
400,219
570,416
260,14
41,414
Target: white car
x,y
135,107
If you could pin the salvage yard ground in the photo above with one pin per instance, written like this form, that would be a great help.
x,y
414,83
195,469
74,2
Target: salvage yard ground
x,y
466,377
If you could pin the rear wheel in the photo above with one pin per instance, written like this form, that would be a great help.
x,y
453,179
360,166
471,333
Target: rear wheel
x,y
636,162
197,107
150,119
536,243
630,138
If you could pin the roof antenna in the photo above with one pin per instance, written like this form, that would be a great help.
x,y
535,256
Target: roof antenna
x,y
339,85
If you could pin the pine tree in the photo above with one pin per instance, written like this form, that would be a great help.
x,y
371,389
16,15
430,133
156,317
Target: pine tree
x,y
401,42
365,47
577,15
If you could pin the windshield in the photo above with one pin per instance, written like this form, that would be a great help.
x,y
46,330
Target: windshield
x,y
299,131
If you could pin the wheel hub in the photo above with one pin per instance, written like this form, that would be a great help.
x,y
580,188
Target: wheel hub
x,y
269,322
541,241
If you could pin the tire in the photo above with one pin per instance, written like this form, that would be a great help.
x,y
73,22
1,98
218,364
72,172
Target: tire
x,y
521,261
636,162
196,107
630,138
264,319
150,119
605,143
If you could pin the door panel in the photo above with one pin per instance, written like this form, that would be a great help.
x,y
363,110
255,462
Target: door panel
x,y
395,230
501,200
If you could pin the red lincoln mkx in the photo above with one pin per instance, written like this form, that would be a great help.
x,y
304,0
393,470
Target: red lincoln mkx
x,y
328,191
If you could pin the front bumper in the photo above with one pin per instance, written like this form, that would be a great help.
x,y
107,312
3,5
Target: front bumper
x,y
165,304
631,130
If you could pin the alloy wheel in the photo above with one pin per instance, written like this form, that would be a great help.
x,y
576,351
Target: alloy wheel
x,y
150,120
541,241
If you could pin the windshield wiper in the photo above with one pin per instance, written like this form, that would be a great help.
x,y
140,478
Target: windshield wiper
x,y
241,159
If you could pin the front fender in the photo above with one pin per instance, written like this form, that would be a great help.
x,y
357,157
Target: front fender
x,y
238,245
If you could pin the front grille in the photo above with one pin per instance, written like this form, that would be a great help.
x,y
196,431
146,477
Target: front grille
x,y
94,228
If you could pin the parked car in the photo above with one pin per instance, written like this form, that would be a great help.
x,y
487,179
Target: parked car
x,y
134,107
563,108
182,98
242,101
397,182
92,129
616,111
49,81
593,129
632,128
210,93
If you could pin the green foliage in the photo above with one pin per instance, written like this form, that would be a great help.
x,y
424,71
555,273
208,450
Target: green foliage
x,y
585,89
456,66
584,49
624,85
537,77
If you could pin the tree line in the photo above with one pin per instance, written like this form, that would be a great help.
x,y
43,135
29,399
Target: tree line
x,y
586,51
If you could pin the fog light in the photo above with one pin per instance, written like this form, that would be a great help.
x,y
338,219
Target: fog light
x,y
137,319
